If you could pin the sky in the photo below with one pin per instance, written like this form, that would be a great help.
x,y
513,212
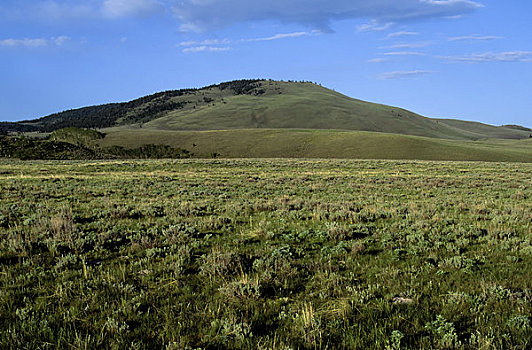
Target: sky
x,y
463,59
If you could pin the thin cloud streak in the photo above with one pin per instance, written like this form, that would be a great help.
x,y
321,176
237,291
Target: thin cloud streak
x,y
401,34
404,53
207,42
35,42
30,43
475,37
374,26
403,74
377,60
409,46
283,36
197,49
508,56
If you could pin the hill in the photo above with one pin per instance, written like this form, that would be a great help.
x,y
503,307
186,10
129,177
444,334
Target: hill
x,y
292,143
263,104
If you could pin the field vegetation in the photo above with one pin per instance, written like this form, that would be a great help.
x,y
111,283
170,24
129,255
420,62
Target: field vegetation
x,y
279,254
306,143
74,143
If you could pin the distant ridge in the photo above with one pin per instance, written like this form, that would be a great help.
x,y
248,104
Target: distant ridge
x,y
518,127
262,104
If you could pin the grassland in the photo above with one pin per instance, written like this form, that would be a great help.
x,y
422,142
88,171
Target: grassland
x,y
245,254
293,143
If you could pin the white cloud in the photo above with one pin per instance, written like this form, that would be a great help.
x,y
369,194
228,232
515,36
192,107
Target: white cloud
x,y
475,37
208,15
283,36
188,43
377,60
401,34
405,53
31,43
207,42
410,45
403,74
204,48
374,26
34,43
129,8
205,15
60,40
508,56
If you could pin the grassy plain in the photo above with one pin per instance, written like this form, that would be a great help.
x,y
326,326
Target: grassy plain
x,y
178,254
300,143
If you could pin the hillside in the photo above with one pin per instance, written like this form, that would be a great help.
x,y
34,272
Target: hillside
x,y
262,104
292,143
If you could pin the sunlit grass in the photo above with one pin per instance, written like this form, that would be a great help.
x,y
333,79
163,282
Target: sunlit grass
x,y
265,254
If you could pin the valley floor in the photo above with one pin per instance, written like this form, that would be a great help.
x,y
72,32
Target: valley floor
x,y
301,143
265,254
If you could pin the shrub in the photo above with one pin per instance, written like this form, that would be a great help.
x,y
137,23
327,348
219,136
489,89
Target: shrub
x,y
443,333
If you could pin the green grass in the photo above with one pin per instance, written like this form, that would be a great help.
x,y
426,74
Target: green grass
x,y
246,254
269,143
476,130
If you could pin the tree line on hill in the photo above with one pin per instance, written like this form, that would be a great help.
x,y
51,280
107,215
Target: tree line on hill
x,y
140,110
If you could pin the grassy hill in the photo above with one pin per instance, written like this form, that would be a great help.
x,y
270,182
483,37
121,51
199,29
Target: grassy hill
x,y
292,143
265,104
474,130
270,119
309,106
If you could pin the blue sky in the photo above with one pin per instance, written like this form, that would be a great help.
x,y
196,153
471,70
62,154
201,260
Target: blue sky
x,y
460,59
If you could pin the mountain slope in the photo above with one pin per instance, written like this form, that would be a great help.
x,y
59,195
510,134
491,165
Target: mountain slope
x,y
248,104
280,105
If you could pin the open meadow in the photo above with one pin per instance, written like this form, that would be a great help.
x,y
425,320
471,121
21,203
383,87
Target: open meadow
x,y
272,254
